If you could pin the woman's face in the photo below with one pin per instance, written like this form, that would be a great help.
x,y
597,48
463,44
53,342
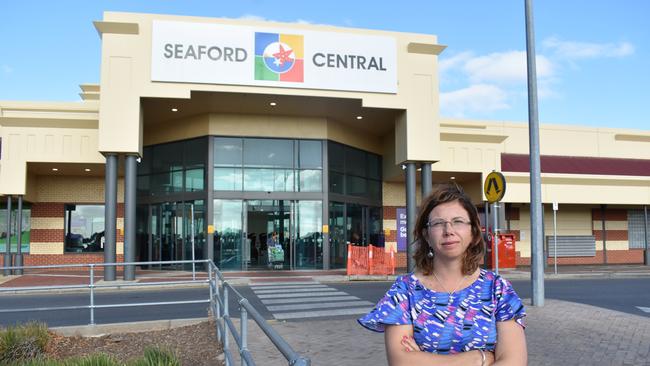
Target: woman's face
x,y
449,231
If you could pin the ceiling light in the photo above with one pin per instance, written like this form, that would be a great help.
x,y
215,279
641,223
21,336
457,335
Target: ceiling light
x,y
452,178
174,109
87,169
359,117
55,169
273,104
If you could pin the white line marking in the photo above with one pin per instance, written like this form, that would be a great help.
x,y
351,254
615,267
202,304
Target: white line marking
x,y
294,290
302,294
284,283
319,306
644,309
255,288
315,314
308,299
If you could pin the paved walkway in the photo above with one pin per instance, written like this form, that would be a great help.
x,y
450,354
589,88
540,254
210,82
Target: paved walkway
x,y
559,333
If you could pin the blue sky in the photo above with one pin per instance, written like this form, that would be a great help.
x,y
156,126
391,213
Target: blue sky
x,y
592,55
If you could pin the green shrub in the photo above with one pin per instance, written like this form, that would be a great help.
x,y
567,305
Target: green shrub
x,y
157,356
23,342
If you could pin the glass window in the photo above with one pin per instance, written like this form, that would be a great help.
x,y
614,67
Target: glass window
x,y
167,157
194,180
311,154
355,162
167,182
227,221
268,153
309,240
374,189
374,166
143,185
227,179
336,183
268,180
144,166
84,228
336,156
338,247
194,153
227,151
310,180
355,186
26,228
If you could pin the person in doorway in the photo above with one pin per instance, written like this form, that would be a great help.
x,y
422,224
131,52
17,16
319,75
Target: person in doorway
x,y
449,311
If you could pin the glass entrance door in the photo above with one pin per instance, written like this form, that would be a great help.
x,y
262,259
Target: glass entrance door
x,y
268,238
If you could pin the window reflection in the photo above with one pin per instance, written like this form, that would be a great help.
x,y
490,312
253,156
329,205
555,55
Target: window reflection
x,y
84,228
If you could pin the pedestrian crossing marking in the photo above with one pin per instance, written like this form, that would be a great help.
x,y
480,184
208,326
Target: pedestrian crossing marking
x,y
308,299
294,290
644,309
302,294
321,313
320,306
292,300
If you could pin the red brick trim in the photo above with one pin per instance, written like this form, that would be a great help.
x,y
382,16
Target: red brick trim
x,y
47,209
577,165
390,212
632,256
611,234
47,235
610,214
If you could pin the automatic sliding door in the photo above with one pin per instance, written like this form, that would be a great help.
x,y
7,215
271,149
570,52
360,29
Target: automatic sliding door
x,y
228,231
308,236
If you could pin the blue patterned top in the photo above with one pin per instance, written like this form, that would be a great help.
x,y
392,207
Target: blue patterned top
x,y
444,323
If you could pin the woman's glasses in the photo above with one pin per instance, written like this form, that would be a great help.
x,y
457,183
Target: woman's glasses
x,y
456,224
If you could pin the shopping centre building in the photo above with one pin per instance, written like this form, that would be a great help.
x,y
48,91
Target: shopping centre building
x,y
206,136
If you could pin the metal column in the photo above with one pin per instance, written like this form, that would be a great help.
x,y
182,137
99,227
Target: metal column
x,y
537,236
603,220
646,257
410,215
426,180
110,215
208,249
130,173
7,257
18,259
325,208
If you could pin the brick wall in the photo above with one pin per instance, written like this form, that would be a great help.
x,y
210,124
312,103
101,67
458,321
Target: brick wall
x,y
70,258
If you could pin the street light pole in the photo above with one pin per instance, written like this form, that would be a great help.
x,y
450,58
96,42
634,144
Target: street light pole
x,y
537,251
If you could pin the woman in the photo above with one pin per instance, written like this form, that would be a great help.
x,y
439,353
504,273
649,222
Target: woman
x,y
450,312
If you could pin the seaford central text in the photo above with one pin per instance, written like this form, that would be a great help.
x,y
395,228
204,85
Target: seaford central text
x,y
359,62
238,54
198,52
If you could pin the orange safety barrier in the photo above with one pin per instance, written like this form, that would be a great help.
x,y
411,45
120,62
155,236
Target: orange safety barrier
x,y
370,260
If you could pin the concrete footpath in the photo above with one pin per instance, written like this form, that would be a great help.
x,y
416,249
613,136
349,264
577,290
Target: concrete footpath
x,y
559,333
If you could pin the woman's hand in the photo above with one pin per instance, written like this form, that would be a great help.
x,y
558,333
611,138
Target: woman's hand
x,y
409,344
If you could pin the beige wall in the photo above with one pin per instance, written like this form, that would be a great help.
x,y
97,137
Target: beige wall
x,y
126,70
260,126
44,132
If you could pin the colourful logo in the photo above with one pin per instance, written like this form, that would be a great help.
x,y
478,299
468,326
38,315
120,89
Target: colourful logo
x,y
279,57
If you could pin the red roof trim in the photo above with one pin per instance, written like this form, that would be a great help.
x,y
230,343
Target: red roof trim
x,y
577,165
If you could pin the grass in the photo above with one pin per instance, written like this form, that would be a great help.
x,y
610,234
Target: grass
x,y
24,345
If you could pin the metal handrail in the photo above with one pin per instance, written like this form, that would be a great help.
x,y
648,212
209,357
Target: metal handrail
x,y
219,290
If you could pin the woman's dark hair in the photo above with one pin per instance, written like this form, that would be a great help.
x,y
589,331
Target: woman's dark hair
x,y
444,193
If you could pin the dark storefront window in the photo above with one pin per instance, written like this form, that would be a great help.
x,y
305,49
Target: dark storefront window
x,y
173,168
354,172
84,228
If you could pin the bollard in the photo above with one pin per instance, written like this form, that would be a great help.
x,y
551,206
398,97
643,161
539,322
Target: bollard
x,y
8,262
92,294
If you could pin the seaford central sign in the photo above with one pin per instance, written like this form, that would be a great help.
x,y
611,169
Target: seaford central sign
x,y
243,55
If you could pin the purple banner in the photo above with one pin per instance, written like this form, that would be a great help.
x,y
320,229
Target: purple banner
x,y
401,229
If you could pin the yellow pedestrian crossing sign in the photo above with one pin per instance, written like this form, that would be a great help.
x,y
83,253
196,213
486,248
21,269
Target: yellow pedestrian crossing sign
x,y
494,187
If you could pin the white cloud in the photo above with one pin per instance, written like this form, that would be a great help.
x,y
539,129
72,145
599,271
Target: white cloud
x,y
481,98
6,69
582,50
454,62
253,18
505,67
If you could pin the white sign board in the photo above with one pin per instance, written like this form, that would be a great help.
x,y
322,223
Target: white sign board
x,y
287,58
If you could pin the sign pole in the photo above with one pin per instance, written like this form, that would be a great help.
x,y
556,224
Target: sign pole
x,y
555,206
496,238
